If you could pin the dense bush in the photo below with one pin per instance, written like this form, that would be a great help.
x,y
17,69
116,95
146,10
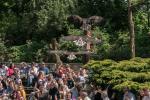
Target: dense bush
x,y
32,51
134,73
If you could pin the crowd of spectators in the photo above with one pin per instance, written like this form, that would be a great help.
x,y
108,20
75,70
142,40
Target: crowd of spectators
x,y
63,83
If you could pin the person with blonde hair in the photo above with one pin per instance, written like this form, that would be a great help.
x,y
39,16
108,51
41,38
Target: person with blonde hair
x,y
22,92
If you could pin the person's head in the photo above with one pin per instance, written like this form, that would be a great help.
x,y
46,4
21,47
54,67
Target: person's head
x,y
41,87
11,66
60,81
41,75
1,85
53,84
141,92
83,94
146,92
22,64
10,82
84,71
68,96
33,64
126,89
19,82
61,87
49,77
43,64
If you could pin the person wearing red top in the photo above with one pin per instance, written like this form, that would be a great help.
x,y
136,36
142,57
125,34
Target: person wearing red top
x,y
10,70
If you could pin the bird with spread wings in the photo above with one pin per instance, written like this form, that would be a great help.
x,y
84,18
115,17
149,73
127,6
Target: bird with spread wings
x,y
85,23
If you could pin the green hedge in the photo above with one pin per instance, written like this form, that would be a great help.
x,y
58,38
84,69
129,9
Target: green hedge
x,y
134,73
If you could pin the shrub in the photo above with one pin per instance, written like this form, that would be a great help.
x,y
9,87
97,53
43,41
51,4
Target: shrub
x,y
133,73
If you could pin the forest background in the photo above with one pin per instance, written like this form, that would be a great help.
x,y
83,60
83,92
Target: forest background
x,y
29,27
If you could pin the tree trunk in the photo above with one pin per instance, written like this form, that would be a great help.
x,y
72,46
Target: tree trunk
x,y
86,57
131,29
148,12
55,47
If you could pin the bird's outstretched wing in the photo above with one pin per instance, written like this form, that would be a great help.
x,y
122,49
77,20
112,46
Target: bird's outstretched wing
x,y
94,20
76,20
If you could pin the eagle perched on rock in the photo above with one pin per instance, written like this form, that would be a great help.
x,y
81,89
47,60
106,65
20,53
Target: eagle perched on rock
x,y
85,23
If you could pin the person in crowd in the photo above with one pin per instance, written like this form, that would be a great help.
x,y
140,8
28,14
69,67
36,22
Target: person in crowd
x,y
70,81
3,70
53,91
41,80
68,96
44,68
84,95
24,69
146,94
97,93
21,92
19,96
10,70
10,86
32,73
2,90
81,78
104,94
74,92
140,94
42,93
128,95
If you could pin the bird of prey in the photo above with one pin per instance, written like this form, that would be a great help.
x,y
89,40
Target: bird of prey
x,y
85,23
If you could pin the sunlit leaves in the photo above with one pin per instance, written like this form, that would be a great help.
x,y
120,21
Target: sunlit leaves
x,y
134,73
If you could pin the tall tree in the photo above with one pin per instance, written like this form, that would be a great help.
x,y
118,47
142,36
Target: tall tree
x,y
131,29
47,19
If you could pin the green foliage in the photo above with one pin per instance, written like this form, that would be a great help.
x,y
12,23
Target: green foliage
x,y
32,51
42,20
133,73
142,37
3,52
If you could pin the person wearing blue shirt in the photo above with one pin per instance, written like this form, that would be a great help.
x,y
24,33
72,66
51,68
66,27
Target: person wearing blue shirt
x,y
44,69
